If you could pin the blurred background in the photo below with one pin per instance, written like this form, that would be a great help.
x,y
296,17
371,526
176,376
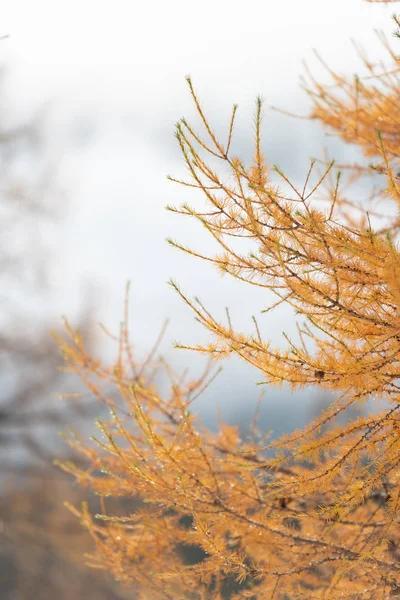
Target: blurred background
x,y
89,95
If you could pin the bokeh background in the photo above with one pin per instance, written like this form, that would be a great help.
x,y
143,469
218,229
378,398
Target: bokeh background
x,y
89,95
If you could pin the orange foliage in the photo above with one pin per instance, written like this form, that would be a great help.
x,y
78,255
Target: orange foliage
x,y
315,513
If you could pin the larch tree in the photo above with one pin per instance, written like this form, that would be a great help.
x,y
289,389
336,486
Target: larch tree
x,y
314,514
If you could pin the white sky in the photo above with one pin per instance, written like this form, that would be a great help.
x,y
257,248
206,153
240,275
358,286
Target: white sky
x,y
116,70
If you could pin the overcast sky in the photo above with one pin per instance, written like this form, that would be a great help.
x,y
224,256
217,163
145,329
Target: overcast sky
x,y
113,73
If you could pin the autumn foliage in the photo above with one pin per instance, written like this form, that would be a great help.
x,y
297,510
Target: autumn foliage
x,y
315,513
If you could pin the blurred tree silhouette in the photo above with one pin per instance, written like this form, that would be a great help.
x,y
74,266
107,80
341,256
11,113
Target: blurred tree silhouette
x,y
40,543
29,207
